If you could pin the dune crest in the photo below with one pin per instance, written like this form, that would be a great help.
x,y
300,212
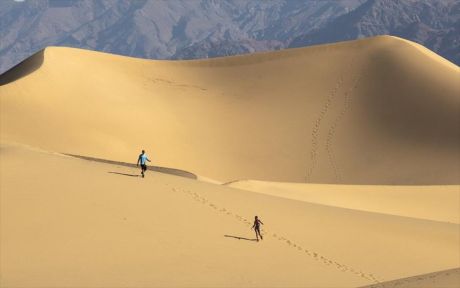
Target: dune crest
x,y
436,203
371,111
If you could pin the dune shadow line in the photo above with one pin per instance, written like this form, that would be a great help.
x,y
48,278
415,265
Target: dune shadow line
x,y
240,238
23,69
125,174
165,170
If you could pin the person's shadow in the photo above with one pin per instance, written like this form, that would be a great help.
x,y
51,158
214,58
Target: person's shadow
x,y
131,175
240,238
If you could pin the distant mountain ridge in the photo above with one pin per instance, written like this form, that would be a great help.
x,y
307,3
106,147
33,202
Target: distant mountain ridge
x,y
435,24
202,29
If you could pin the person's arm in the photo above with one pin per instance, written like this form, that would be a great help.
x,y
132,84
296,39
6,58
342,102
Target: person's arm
x,y
148,160
261,222
138,160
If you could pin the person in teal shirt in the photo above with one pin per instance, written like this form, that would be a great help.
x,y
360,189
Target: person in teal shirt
x,y
143,161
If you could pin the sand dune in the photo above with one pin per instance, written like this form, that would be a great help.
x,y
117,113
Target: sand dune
x,y
437,203
375,111
165,170
442,279
356,117
70,222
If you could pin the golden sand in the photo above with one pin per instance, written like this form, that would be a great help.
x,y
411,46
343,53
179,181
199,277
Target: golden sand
x,y
374,123
374,111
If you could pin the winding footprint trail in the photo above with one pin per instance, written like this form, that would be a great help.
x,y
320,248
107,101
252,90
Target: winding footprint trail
x,y
333,128
315,255
316,130
318,123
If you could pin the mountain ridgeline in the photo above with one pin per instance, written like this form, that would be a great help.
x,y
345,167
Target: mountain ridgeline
x,y
192,29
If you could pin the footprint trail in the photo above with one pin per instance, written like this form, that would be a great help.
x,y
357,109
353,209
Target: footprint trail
x,y
312,254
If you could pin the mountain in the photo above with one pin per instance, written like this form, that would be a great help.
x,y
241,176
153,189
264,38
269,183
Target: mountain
x,y
435,24
159,29
345,113
192,29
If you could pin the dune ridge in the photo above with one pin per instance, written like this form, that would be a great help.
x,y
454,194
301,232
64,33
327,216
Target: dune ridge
x,y
166,170
436,203
346,113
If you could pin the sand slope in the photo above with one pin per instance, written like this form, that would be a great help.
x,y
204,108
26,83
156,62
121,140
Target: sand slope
x,y
442,279
437,203
375,111
71,222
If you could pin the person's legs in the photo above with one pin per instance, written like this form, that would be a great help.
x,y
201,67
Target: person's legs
x,y
260,235
144,168
257,233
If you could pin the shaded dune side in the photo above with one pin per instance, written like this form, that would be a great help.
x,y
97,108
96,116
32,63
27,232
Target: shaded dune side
x,y
424,111
23,69
408,113
372,111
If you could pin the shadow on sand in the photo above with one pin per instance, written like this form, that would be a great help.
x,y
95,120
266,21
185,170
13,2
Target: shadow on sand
x,y
240,238
23,69
131,175
165,170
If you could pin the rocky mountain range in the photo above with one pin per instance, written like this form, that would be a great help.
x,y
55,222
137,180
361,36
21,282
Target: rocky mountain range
x,y
188,29
435,24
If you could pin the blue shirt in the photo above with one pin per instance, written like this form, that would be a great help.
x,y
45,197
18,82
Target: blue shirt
x,y
143,158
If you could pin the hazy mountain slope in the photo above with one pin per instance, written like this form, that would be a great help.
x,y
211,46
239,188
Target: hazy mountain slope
x,y
376,111
190,29
156,29
436,24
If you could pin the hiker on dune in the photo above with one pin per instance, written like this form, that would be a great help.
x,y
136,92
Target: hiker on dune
x,y
143,161
256,228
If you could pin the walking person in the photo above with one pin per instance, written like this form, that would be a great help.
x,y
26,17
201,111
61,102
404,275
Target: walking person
x,y
143,161
256,228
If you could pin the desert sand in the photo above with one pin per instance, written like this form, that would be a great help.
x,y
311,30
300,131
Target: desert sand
x,y
72,222
436,203
347,152
446,279
374,111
